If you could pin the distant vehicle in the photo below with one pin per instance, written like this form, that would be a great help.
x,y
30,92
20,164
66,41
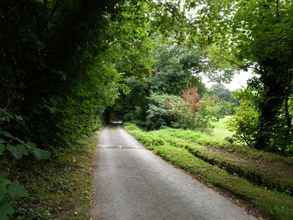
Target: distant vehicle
x,y
118,122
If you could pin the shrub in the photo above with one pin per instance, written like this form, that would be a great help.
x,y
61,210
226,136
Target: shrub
x,y
206,113
172,111
191,98
166,110
13,147
245,121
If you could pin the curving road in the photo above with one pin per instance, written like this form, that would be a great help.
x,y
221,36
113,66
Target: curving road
x,y
134,184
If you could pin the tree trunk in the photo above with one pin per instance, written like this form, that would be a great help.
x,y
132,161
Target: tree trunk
x,y
273,99
288,120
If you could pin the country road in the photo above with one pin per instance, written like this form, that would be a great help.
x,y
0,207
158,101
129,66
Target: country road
x,y
134,184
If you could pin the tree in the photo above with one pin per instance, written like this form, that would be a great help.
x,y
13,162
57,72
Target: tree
x,y
220,91
259,33
176,69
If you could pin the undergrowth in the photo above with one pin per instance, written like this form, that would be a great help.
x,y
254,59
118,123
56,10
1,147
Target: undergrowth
x,y
60,188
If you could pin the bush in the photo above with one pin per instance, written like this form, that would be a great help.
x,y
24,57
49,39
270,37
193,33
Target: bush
x,y
245,121
166,110
172,111
207,112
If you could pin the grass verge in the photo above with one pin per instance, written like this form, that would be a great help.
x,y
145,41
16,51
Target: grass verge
x,y
274,204
220,143
262,168
60,188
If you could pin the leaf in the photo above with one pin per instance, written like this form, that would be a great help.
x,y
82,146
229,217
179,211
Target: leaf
x,y
16,190
9,192
6,134
6,210
3,184
40,154
2,148
18,151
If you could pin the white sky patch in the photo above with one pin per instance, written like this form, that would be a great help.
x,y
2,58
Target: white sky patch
x,y
239,80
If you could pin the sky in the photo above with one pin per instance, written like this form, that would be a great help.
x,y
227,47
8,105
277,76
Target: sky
x,y
239,80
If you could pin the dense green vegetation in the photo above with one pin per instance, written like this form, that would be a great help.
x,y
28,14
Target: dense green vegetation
x,y
226,37
258,33
67,64
61,188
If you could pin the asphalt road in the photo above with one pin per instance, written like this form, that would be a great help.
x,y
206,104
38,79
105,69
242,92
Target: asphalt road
x,y
134,184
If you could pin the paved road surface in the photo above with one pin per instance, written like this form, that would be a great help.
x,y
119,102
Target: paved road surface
x,y
134,184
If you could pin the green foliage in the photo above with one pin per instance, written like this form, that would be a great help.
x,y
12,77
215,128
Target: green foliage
x,y
17,151
270,22
64,62
167,110
175,69
207,113
172,111
255,33
9,192
245,121
220,66
133,105
59,188
222,93
61,68
224,99
17,147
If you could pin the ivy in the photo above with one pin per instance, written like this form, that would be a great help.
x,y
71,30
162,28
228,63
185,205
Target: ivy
x,y
17,148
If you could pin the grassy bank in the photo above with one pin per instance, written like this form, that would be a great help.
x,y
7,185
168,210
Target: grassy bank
x,y
272,171
188,156
60,188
